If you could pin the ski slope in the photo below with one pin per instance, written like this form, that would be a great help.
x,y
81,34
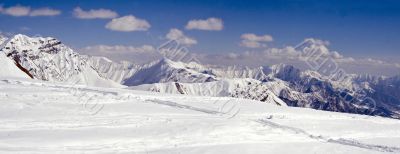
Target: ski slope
x,y
44,117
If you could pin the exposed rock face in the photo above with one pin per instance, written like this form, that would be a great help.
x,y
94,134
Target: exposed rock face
x,y
49,60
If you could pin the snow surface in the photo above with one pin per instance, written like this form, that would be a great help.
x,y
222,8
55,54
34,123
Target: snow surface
x,y
238,88
8,69
48,59
43,117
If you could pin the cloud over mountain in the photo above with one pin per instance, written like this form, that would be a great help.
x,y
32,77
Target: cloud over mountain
x,y
137,54
250,40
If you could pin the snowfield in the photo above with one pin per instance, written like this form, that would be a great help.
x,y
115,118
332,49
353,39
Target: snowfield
x,y
44,117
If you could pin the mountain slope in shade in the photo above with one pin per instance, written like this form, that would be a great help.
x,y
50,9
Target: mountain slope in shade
x,y
49,60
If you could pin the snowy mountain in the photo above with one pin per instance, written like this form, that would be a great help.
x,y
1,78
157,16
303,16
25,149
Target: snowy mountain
x,y
166,70
237,88
294,87
49,60
118,72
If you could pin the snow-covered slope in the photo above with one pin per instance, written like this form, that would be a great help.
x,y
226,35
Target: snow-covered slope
x,y
118,72
293,86
238,88
259,73
166,70
41,117
49,60
9,69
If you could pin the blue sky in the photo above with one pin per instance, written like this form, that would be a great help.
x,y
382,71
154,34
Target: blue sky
x,y
357,28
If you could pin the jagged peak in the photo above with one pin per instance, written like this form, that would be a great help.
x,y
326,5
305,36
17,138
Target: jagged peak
x,y
281,66
35,45
177,64
165,60
369,78
21,39
285,72
23,36
102,58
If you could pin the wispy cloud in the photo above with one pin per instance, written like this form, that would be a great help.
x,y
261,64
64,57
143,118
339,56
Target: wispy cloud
x,y
180,37
137,54
299,56
94,14
211,24
294,55
118,49
20,11
128,23
45,12
250,40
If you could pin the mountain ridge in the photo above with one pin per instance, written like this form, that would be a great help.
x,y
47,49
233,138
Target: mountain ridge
x,y
49,59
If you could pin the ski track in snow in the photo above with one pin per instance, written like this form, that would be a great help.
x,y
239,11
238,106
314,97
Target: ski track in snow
x,y
173,104
328,139
41,117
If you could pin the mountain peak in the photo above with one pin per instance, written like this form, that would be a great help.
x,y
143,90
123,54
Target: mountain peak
x,y
285,72
45,58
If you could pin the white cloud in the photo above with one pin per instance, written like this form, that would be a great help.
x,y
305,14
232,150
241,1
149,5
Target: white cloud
x,y
118,49
128,24
250,40
94,14
298,56
252,44
293,55
254,37
233,55
44,12
16,11
137,54
212,24
19,11
178,36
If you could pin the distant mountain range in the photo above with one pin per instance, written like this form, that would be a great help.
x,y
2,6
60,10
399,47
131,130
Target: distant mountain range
x,y
48,59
